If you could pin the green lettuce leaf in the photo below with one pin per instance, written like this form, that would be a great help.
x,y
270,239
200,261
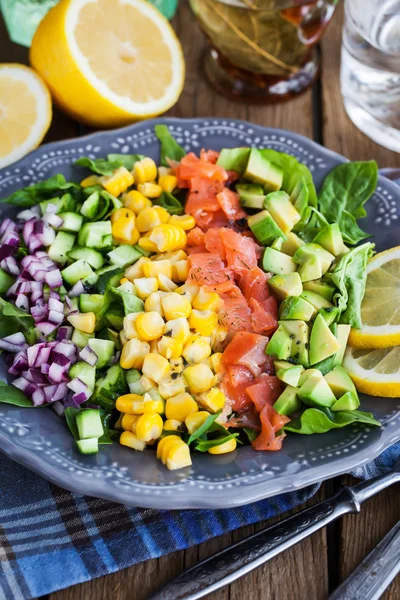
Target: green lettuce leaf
x,y
169,146
12,395
13,320
321,420
44,190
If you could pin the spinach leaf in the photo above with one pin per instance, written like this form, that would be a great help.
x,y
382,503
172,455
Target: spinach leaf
x,y
350,276
170,149
131,303
293,171
315,221
12,395
33,194
205,445
109,434
170,203
70,416
203,428
251,433
321,420
98,165
343,194
125,160
16,320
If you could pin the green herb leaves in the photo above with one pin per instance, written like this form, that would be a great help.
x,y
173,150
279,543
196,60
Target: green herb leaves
x,y
321,420
170,149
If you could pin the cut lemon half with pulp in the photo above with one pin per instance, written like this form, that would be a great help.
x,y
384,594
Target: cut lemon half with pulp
x,y
380,308
109,62
374,372
25,112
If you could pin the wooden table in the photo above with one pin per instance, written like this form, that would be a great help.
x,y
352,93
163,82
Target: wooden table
x,y
315,567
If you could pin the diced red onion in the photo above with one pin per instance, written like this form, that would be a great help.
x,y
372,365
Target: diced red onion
x,y
65,333
10,265
25,287
7,225
55,296
29,213
89,356
53,278
49,391
41,254
77,386
22,302
77,290
6,250
38,397
38,377
45,368
61,392
20,363
13,343
53,220
56,305
55,317
11,238
66,348
46,328
24,385
58,408
78,399
39,313
57,373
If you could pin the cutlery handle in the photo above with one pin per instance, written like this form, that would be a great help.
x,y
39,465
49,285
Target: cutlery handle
x,y
375,573
241,558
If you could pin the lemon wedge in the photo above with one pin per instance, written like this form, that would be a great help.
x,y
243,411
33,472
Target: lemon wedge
x,y
25,112
374,372
109,62
380,309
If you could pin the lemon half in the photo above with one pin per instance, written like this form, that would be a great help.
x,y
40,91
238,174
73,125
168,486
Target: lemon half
x,y
374,372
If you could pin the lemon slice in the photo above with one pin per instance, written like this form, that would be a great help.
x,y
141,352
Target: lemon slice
x,y
109,62
380,309
374,372
25,112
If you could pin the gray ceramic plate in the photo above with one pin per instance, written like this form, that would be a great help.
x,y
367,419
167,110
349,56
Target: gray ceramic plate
x,y
40,440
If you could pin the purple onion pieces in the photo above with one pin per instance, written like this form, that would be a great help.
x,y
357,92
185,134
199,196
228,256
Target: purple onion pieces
x,y
29,213
65,333
89,356
46,328
77,289
53,278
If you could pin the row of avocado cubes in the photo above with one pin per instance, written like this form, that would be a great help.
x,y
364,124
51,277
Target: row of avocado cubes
x,y
334,390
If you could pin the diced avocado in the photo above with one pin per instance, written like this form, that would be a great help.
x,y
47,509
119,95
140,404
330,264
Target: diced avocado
x,y
78,270
340,382
124,255
288,373
85,373
299,333
295,307
115,316
330,238
285,285
94,258
280,345
323,289
314,250
325,366
343,332
278,263
260,170
316,392
234,159
95,235
277,244
251,195
89,423
133,377
291,244
6,281
264,228
104,350
322,341
108,276
88,446
349,401
282,210
58,251
315,299
80,338
71,222
330,314
310,269
288,402
299,196
91,302
305,375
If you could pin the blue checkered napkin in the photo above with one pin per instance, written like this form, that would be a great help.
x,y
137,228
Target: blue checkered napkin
x,y
51,539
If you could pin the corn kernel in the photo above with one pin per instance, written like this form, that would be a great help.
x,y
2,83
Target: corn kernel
x,y
224,448
155,395
213,400
203,321
122,337
150,326
178,329
130,325
175,306
196,420
153,346
145,170
157,267
147,245
165,442
174,256
162,213
164,171
125,403
130,440
150,189
145,404
168,237
176,365
122,213
217,338
153,303
180,270
196,349
149,427
178,457
123,280
199,378
147,219
118,182
169,449
89,181
180,406
168,386
144,286
136,270
185,221
155,366
123,228
129,422
133,353
189,290
147,383
166,284
167,183
127,286
216,362
172,425
207,301
135,201
169,347
85,322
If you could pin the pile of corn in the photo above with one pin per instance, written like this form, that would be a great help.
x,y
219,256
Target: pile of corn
x,y
175,342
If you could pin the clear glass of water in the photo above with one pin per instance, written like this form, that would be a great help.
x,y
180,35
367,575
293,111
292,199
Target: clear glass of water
x,y
370,75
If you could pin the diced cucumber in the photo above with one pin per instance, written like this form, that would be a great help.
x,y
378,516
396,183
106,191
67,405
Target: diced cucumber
x,y
80,338
109,334
59,249
91,302
85,373
104,350
133,377
55,201
94,258
90,207
115,316
88,446
95,235
125,255
6,281
108,275
71,221
78,270
89,423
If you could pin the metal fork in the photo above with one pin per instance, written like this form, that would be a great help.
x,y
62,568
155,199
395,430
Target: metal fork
x,y
235,561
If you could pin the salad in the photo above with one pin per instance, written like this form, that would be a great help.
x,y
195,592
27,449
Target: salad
x,y
191,306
